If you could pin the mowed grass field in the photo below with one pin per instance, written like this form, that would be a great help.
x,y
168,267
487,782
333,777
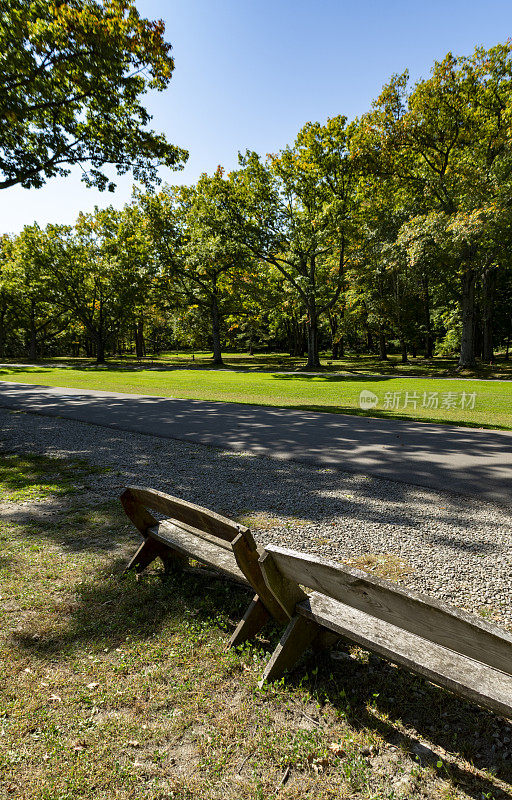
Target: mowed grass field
x,y
459,401
115,689
350,364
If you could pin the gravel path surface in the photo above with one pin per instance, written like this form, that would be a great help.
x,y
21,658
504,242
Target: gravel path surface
x,y
449,546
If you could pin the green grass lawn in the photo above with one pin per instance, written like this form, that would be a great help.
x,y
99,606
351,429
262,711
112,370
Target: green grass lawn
x,y
397,396
115,689
351,364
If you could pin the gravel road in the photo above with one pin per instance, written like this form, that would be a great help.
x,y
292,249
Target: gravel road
x,y
444,544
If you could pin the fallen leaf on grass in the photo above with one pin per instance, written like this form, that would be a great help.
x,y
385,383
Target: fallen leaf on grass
x,y
134,743
337,748
92,685
318,765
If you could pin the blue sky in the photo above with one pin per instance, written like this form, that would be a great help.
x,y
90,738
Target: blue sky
x,y
250,73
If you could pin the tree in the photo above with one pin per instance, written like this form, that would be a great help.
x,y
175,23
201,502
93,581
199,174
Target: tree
x,y
36,296
447,142
73,73
11,294
296,212
196,249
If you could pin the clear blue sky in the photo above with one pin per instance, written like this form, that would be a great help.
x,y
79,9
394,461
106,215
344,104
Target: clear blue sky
x,y
249,73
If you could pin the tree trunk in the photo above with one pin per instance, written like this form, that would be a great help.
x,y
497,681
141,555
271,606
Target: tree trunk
x,y
369,339
2,331
467,345
403,346
296,338
290,341
100,349
32,332
429,339
489,286
100,340
140,336
383,352
312,326
313,359
301,339
333,324
215,315
140,345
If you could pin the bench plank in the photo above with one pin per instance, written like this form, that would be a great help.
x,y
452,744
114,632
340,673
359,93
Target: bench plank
x,y
139,515
208,537
286,591
419,614
189,513
196,546
247,558
464,676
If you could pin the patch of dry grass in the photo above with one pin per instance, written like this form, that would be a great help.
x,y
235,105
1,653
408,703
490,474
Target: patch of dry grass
x,y
262,521
385,565
120,689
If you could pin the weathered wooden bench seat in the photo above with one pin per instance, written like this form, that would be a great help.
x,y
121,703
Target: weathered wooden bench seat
x,y
446,645
191,542
197,533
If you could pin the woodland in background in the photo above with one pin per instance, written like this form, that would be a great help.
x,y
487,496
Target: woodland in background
x,y
390,231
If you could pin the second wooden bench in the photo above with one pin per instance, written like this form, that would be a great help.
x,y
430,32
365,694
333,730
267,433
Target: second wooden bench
x,y
448,646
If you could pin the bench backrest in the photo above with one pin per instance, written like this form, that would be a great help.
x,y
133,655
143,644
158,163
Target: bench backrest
x,y
286,570
138,500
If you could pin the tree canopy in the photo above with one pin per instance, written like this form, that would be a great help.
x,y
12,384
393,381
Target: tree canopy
x,y
387,233
73,73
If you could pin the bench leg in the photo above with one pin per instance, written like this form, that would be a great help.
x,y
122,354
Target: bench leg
x,y
325,640
173,562
148,552
251,623
145,554
297,637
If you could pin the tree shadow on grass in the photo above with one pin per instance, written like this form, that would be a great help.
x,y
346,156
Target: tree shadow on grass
x,y
98,528
407,710
369,693
111,606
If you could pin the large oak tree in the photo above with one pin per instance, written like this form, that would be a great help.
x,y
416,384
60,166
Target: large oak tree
x,y
73,73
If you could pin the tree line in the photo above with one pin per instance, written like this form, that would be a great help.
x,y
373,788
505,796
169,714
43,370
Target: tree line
x,y
392,230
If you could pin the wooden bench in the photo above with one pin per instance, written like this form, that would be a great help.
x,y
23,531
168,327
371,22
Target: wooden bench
x,y
448,646
190,531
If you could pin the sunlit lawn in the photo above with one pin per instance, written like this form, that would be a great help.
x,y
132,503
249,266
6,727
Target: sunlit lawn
x,y
410,398
440,367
